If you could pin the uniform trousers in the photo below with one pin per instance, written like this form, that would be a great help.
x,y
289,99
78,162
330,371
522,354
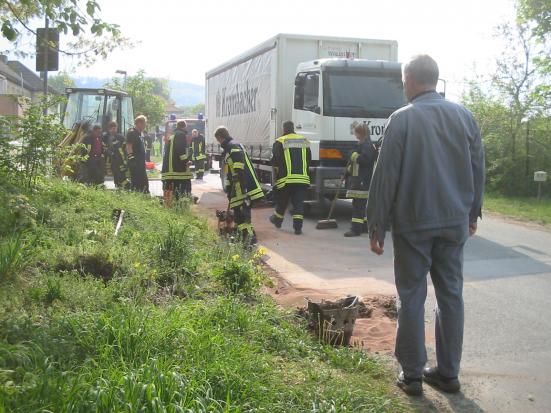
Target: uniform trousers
x,y
440,253
296,193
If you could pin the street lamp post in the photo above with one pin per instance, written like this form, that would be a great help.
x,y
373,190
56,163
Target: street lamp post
x,y
122,72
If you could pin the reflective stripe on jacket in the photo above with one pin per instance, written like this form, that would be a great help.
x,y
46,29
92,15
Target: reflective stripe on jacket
x,y
291,158
198,147
360,169
236,161
175,161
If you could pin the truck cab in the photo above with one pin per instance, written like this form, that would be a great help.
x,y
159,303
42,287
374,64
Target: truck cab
x,y
331,96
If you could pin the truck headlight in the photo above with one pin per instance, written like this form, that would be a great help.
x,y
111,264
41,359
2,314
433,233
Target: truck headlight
x,y
332,183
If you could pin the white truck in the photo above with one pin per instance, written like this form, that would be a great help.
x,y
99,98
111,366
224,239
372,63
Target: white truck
x,y
325,85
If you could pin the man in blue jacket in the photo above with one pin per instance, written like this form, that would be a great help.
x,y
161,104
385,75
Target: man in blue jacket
x,y
427,187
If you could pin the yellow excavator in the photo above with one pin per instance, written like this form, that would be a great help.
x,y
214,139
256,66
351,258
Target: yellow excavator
x,y
86,107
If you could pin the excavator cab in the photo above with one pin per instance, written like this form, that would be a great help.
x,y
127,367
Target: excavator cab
x,y
86,107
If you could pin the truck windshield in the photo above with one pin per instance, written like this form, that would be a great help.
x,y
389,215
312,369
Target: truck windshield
x,y
360,94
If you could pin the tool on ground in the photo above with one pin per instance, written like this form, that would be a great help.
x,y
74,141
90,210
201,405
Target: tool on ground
x,y
119,216
226,225
330,223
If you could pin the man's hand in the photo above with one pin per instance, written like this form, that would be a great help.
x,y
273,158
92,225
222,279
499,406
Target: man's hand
x,y
378,247
472,228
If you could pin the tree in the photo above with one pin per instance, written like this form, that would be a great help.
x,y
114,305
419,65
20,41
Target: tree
x,y
536,14
80,18
61,81
144,99
160,88
539,13
513,113
193,110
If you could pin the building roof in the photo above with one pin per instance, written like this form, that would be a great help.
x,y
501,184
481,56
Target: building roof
x,y
20,74
11,75
36,84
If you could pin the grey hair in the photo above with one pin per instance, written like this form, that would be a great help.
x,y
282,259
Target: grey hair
x,y
363,129
423,70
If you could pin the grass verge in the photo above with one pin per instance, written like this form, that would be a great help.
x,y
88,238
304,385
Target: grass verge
x,y
524,208
162,318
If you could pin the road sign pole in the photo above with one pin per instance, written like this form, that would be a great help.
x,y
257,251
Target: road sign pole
x,y
46,53
539,191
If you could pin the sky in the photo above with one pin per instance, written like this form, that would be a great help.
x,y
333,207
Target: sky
x,y
181,40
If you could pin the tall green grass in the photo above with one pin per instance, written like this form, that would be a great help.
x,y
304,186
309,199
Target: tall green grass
x,y
516,207
177,326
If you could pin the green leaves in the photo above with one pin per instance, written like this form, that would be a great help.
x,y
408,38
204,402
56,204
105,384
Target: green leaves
x,y
538,12
8,31
147,96
30,141
96,38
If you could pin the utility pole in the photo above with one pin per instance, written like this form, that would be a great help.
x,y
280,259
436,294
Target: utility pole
x,y
46,53
527,163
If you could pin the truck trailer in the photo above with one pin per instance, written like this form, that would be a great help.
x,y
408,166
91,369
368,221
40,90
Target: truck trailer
x,y
325,85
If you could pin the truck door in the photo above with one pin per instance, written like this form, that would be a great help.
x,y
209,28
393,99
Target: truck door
x,y
307,113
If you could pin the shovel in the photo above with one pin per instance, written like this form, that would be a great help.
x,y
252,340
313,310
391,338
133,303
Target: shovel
x,y
330,223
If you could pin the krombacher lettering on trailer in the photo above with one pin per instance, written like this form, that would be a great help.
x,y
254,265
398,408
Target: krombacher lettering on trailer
x,y
237,101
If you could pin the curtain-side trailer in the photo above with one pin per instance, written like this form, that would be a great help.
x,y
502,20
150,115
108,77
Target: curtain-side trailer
x,y
325,85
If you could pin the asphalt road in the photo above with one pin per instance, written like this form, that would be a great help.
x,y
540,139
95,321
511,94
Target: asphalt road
x,y
507,348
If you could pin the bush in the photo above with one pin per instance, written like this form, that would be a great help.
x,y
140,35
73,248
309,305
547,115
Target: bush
x,y
30,143
241,276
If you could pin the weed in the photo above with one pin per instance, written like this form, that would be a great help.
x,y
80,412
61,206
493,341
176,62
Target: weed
x,y
239,276
53,290
14,252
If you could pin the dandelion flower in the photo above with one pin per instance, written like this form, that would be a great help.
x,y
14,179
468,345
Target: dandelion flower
x,y
235,257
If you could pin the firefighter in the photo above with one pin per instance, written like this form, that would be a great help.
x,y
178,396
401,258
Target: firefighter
x,y
92,169
136,155
291,160
358,174
176,175
199,156
116,156
242,185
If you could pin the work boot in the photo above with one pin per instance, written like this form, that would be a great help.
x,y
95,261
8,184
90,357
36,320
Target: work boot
x,y
276,221
351,234
447,384
412,387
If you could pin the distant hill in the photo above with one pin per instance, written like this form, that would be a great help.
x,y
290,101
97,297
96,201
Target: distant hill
x,y
183,93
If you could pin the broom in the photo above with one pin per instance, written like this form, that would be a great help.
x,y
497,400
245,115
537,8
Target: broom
x,y
330,223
